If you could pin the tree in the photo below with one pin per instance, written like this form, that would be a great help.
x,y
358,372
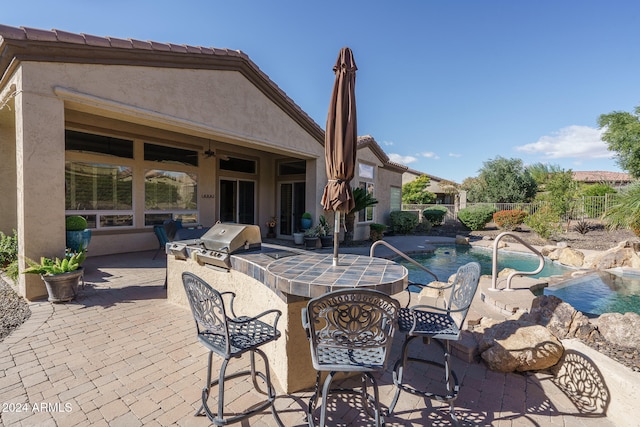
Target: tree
x,y
541,172
506,181
622,135
475,188
362,199
560,193
416,193
626,212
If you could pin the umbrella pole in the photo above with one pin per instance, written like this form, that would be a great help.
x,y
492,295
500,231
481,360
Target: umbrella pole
x,y
336,237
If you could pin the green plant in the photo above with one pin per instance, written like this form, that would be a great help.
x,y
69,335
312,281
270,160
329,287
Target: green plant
x,y
403,222
376,231
509,219
313,231
13,270
324,229
544,222
306,215
625,213
362,199
75,223
582,226
8,249
476,217
435,214
48,266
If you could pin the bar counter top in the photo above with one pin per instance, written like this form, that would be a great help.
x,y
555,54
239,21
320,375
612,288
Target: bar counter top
x,y
307,274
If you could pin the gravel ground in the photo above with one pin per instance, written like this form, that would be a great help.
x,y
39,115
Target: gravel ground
x,y
14,310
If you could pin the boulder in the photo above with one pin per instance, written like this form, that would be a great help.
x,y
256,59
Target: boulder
x,y
462,240
518,345
571,257
620,256
559,317
620,329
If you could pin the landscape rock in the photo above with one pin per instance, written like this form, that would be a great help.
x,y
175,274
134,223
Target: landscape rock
x,y
620,329
518,346
559,317
462,240
571,257
622,255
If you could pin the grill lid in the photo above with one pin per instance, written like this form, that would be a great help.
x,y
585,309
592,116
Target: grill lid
x,y
232,238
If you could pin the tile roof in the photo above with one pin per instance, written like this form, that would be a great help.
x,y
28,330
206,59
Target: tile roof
x,y
369,141
601,176
128,51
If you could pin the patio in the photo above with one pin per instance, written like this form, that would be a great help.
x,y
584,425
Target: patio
x,y
122,355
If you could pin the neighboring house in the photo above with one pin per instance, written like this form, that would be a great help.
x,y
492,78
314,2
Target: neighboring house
x,y
616,180
438,186
131,133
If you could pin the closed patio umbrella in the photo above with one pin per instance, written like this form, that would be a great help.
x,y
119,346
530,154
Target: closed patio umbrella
x,y
340,142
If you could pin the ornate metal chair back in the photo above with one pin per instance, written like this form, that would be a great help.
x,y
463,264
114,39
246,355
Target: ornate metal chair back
x,y
462,292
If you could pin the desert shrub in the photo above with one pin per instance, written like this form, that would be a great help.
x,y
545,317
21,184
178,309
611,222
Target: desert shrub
x,y
582,226
8,249
75,223
509,219
476,217
424,227
403,222
545,222
435,214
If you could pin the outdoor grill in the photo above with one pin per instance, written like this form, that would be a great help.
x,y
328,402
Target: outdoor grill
x,y
216,246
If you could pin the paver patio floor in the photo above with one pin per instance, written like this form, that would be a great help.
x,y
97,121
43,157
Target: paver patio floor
x,y
121,355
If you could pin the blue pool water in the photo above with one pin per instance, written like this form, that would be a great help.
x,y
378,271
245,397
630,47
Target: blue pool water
x,y
446,259
594,294
601,292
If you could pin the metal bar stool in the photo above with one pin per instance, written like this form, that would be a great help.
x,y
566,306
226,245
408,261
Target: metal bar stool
x,y
349,330
439,325
230,337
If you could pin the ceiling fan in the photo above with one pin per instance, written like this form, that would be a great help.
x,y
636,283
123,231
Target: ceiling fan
x,y
208,153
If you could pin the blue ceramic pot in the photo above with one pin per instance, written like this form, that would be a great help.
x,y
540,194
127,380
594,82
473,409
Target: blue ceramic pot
x,y
78,239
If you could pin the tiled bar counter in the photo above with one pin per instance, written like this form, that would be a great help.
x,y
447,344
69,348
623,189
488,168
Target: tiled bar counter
x,y
284,279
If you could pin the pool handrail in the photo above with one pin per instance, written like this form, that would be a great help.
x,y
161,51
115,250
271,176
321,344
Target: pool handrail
x,y
494,267
402,254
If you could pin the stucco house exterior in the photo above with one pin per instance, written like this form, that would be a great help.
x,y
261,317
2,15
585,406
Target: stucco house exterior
x,y
442,188
130,133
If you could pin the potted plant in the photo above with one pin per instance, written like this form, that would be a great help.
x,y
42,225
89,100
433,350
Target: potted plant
x,y
324,232
78,235
271,224
60,276
305,221
311,238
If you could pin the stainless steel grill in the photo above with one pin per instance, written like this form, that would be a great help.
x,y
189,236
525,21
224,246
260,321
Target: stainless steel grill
x,y
217,245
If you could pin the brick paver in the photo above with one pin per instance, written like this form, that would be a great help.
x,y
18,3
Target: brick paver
x,y
121,355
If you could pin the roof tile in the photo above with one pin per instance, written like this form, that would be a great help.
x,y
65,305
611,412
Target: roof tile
x,y
120,43
178,48
12,32
65,36
92,40
165,47
40,35
141,44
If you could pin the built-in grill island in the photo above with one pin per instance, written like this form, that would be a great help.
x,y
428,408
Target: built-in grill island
x,y
216,246
232,258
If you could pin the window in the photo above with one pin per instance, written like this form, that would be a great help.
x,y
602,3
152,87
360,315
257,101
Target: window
x,y
237,201
366,173
102,193
81,142
396,198
170,195
292,168
235,164
366,214
164,154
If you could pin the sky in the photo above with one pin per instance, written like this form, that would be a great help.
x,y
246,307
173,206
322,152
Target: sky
x,y
442,86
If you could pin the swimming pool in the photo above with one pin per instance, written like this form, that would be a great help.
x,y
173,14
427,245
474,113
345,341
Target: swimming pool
x,y
446,259
601,292
594,294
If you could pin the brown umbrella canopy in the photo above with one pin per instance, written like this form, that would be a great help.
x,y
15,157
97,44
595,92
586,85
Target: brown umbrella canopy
x,y
340,136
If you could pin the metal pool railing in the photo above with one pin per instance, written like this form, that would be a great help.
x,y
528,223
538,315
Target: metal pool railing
x,y
402,254
494,267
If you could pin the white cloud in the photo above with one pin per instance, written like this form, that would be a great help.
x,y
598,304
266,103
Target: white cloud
x,y
455,155
388,143
430,155
403,160
581,142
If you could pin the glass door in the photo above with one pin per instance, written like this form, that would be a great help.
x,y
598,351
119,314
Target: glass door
x,y
237,201
292,197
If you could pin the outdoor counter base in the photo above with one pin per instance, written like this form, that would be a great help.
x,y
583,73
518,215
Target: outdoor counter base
x,y
257,281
